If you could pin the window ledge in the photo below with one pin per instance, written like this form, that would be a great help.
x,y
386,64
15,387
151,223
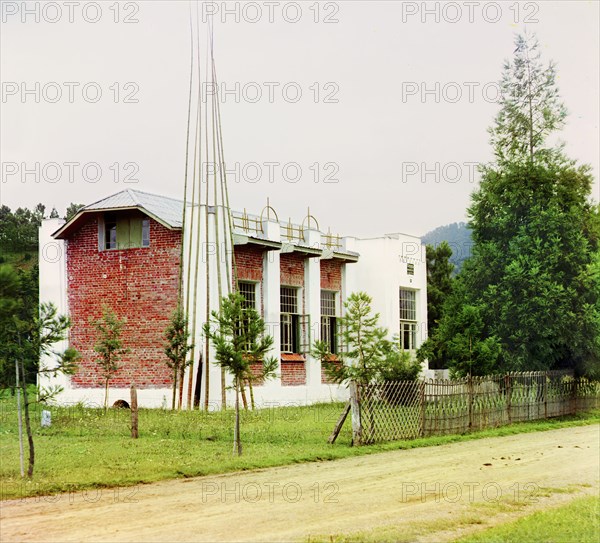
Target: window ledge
x,y
290,357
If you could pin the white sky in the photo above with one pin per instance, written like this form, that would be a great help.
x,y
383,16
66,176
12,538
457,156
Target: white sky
x,y
372,134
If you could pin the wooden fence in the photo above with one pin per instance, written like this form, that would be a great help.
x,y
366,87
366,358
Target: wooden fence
x,y
411,409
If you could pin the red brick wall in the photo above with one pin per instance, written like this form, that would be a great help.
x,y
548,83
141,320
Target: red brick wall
x,y
292,269
325,380
139,284
293,373
249,263
331,274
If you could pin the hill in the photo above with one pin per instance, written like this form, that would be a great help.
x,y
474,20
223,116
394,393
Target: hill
x,y
458,237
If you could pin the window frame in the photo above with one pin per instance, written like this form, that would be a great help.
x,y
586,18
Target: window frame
x,y
407,306
329,332
290,320
110,230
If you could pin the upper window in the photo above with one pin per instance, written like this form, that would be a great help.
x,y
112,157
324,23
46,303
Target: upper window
x,y
408,319
408,305
410,269
328,320
125,232
289,320
248,291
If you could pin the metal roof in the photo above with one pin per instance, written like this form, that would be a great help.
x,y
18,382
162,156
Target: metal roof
x,y
167,211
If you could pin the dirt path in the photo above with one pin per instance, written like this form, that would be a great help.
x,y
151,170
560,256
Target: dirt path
x,y
291,503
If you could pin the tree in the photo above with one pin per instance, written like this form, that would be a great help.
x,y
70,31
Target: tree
x,y
18,300
32,338
238,336
109,346
530,285
177,348
367,355
439,286
530,107
72,210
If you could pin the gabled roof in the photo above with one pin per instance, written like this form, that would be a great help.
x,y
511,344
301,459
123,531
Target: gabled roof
x,y
167,211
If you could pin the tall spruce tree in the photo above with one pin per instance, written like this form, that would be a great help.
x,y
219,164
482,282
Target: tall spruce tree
x,y
532,278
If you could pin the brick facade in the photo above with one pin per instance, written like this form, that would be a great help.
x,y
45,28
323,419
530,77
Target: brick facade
x,y
331,274
249,263
292,269
139,284
293,373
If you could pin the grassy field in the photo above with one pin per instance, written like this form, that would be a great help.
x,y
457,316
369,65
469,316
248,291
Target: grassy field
x,y
576,522
85,448
579,521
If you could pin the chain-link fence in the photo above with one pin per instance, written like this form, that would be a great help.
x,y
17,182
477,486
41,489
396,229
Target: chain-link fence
x,y
411,409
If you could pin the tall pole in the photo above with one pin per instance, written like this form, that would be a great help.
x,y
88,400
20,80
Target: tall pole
x,y
21,452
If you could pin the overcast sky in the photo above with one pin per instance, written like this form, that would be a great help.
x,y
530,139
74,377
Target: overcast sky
x,y
394,96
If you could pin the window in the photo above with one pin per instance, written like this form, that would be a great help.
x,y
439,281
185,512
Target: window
x,y
289,320
408,306
125,232
410,269
328,320
248,291
408,319
110,231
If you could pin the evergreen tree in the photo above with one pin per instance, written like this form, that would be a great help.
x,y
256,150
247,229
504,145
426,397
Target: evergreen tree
x,y
109,346
238,336
72,210
177,348
531,281
366,355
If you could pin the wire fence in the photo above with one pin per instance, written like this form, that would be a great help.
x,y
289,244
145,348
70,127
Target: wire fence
x,y
411,409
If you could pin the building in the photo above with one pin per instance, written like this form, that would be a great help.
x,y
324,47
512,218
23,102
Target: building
x,y
125,251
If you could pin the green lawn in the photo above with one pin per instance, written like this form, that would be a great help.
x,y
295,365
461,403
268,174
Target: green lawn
x,y
84,448
577,522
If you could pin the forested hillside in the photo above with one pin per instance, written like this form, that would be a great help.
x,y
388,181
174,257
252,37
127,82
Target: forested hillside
x,y
458,237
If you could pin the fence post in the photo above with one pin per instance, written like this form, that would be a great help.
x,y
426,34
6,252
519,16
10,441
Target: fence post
x,y
470,393
508,386
356,418
545,389
422,406
134,412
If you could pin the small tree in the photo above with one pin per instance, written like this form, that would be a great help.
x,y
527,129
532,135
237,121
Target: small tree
x,y
37,339
177,348
367,356
109,346
238,336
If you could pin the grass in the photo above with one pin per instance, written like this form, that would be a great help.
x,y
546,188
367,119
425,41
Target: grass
x,y
554,525
578,521
85,448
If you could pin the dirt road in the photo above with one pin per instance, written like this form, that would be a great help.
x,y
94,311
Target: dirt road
x,y
292,503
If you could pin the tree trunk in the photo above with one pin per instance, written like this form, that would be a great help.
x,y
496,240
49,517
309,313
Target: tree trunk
x,y
174,389
244,399
251,388
27,422
106,395
237,444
